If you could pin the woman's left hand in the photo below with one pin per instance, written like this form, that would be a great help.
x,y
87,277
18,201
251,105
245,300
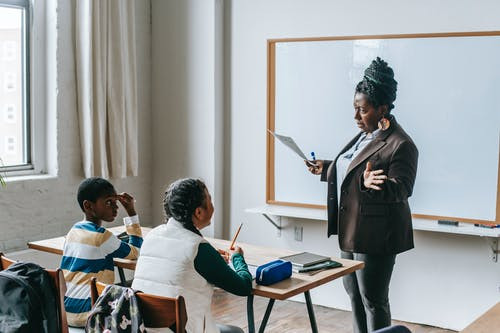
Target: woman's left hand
x,y
373,178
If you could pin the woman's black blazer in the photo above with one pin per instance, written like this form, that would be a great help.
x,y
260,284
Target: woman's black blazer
x,y
366,220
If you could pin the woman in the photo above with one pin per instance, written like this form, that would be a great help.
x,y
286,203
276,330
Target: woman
x,y
176,260
369,183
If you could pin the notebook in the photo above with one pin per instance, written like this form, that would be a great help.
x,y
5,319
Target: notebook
x,y
305,259
253,270
320,266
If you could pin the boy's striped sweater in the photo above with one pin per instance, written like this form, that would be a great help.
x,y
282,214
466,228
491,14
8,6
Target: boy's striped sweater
x,y
89,251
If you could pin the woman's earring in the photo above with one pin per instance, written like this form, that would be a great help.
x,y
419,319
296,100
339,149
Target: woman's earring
x,y
384,124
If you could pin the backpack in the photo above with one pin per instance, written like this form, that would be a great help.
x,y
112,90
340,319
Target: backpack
x,y
115,311
28,301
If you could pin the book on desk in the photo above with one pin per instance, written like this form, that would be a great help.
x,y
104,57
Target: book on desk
x,y
305,259
307,262
316,267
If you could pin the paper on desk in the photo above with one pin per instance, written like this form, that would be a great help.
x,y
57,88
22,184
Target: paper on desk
x,y
290,143
251,268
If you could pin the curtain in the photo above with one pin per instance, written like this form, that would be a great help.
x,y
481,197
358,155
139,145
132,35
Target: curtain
x,y
106,87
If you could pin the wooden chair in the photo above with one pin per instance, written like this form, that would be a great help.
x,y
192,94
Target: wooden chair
x,y
60,285
157,311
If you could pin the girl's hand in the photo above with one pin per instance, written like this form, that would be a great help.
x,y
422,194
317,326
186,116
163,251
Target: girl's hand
x,y
236,249
225,255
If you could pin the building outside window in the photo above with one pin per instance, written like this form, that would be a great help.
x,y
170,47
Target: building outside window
x,y
10,145
9,113
15,129
9,82
9,50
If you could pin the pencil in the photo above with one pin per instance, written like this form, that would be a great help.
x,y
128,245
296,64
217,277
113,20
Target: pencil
x,y
231,247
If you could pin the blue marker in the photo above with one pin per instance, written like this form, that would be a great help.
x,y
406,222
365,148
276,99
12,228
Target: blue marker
x,y
311,163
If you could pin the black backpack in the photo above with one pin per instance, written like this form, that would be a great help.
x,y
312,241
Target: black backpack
x,y
28,301
117,310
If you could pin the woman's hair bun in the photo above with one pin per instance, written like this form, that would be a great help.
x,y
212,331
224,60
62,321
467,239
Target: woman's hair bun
x,y
380,73
379,84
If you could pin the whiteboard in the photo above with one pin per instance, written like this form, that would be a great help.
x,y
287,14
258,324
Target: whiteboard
x,y
447,101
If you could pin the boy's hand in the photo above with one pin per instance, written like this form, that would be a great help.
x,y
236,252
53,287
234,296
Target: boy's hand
x,y
127,202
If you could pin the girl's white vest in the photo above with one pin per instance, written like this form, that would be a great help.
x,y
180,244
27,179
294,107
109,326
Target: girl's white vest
x,y
166,268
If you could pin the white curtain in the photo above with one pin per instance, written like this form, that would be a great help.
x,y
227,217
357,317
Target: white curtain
x,y
106,87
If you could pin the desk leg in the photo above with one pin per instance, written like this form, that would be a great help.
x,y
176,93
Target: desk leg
x,y
251,322
123,280
266,315
310,310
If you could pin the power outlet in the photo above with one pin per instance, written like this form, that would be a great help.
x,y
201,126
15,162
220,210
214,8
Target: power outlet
x,y
298,233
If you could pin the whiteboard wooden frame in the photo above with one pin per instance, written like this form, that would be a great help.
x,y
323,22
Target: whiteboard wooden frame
x,y
271,90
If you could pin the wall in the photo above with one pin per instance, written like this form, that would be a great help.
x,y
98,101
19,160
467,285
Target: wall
x,y
446,280
45,206
187,98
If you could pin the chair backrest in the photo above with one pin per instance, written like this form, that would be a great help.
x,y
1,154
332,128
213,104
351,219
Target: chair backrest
x,y
157,311
5,262
60,284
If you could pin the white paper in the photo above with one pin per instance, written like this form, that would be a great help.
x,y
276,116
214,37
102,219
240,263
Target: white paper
x,y
290,143
251,268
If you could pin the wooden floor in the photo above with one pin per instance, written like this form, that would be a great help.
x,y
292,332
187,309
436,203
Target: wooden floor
x,y
291,317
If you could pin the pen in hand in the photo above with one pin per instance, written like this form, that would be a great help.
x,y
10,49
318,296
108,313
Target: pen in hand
x,y
314,166
312,163
231,247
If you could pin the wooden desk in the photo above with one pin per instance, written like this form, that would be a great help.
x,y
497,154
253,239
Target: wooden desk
x,y
55,245
254,255
487,323
297,284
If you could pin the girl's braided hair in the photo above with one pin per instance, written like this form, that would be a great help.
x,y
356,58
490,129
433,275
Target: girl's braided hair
x,y
182,198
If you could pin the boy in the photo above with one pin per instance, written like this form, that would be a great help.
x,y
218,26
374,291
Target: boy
x,y
89,248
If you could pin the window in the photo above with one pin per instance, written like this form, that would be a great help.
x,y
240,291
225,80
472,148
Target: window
x,y
15,125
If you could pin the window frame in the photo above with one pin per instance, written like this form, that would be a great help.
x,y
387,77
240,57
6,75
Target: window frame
x,y
34,91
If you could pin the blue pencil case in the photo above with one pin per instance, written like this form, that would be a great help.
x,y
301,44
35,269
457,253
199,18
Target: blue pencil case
x,y
272,272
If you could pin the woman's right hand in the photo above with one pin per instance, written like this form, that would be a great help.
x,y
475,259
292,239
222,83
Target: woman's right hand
x,y
315,169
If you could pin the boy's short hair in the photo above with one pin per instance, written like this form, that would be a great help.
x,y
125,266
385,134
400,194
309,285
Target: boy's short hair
x,y
94,188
